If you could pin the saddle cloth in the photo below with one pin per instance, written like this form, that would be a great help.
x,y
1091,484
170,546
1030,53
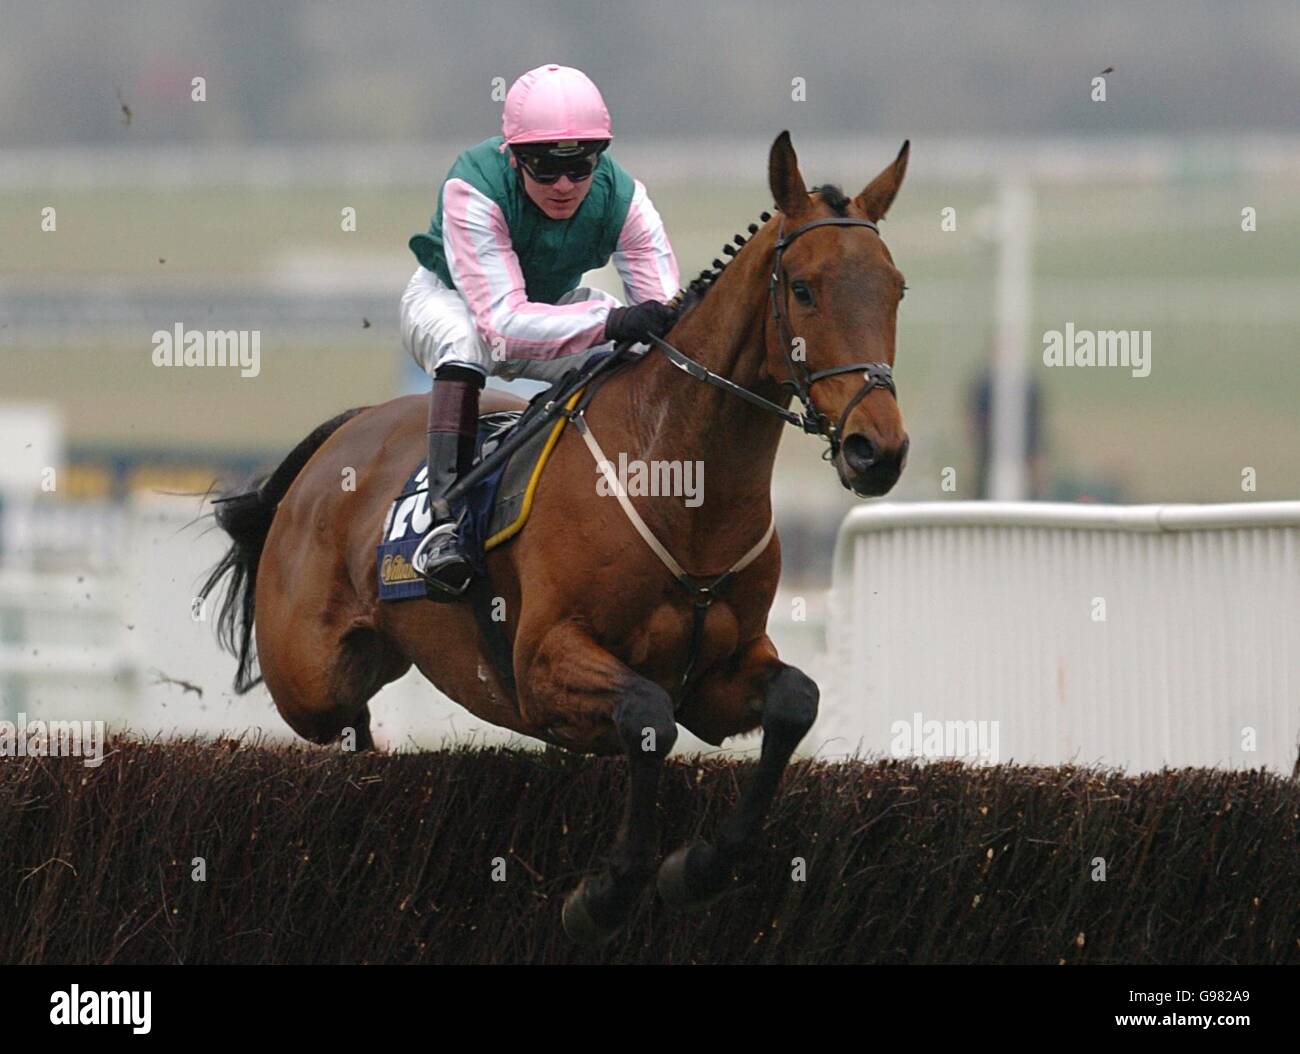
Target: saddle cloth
x,y
495,509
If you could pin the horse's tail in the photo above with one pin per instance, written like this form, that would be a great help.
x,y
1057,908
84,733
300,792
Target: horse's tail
x,y
247,519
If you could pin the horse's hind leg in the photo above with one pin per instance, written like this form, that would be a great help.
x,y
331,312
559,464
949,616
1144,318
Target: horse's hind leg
x,y
364,739
322,680
696,874
366,661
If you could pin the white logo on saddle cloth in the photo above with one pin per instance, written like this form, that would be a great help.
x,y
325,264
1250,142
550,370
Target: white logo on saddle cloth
x,y
411,516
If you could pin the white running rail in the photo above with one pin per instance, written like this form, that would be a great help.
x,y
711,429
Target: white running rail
x,y
1135,637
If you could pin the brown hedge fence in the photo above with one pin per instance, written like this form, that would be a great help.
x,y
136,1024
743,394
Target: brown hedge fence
x,y
312,856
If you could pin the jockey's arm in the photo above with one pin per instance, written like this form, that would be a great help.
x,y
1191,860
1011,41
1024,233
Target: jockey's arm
x,y
644,258
484,267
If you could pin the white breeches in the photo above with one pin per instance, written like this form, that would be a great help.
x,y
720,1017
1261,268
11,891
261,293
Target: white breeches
x,y
438,330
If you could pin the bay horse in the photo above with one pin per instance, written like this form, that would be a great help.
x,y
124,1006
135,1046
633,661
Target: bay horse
x,y
598,636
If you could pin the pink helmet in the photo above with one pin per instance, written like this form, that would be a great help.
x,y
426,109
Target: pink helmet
x,y
552,103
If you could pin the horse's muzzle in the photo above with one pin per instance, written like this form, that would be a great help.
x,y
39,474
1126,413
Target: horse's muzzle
x,y
867,469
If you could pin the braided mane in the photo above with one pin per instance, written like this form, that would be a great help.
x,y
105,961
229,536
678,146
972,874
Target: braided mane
x,y
699,287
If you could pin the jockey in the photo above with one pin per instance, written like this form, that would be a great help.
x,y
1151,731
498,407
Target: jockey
x,y
520,218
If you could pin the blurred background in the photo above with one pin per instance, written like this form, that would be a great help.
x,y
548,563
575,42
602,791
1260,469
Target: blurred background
x,y
225,213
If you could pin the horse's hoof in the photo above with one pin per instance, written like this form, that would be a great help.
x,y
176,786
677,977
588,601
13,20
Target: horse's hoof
x,y
674,885
579,923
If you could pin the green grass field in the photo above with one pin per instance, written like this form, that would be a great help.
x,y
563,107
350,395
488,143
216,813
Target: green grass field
x,y
1222,306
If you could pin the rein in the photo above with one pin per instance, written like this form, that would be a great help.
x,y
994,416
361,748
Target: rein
x,y
813,421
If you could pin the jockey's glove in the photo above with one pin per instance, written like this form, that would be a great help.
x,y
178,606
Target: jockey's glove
x,y
638,322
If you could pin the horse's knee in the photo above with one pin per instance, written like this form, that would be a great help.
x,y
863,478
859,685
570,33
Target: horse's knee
x,y
790,703
645,721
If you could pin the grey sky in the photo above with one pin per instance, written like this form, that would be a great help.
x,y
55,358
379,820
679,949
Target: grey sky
x,y
389,70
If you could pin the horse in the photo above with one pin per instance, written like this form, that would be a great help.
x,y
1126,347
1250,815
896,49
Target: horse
x,y
596,647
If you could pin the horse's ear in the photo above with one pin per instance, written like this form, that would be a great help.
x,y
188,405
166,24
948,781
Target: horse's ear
x,y
878,195
787,186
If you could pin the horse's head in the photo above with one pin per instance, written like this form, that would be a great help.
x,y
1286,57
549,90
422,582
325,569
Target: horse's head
x,y
835,295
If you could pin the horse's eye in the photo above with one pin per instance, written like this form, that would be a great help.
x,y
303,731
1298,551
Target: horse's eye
x,y
801,292
902,293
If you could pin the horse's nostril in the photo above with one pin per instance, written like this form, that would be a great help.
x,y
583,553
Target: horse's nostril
x,y
860,452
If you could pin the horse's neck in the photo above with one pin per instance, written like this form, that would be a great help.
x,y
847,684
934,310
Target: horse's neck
x,y
674,417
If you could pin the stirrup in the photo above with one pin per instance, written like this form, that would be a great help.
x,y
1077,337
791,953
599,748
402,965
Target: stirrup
x,y
438,560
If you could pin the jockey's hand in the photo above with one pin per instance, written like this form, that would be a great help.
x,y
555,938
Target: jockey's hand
x,y
637,322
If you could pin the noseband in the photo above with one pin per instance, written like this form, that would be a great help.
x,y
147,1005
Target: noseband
x,y
812,421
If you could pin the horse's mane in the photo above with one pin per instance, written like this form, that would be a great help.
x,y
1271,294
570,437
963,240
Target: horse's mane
x,y
696,291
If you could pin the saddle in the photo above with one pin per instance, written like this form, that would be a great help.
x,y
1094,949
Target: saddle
x,y
495,497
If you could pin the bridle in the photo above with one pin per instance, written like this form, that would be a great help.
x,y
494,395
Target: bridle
x,y
813,421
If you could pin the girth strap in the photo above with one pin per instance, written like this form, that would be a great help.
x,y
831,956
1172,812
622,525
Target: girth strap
x,y
702,593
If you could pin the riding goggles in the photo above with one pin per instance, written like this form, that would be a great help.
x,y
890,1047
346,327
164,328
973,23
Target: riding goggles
x,y
547,162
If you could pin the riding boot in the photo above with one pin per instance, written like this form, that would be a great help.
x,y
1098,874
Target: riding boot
x,y
453,423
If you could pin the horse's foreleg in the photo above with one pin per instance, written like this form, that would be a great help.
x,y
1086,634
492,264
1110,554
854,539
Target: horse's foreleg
x,y
600,904
697,873
591,700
